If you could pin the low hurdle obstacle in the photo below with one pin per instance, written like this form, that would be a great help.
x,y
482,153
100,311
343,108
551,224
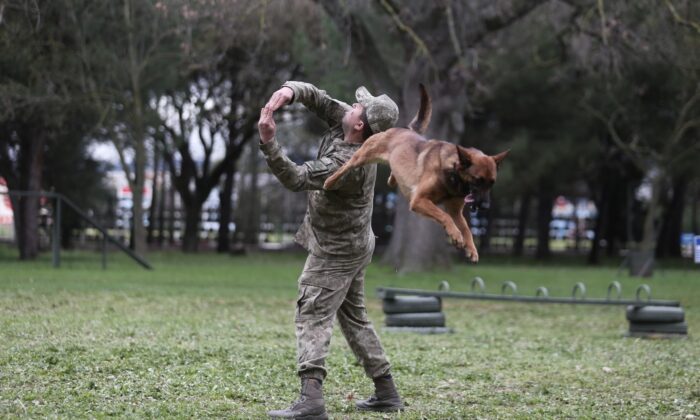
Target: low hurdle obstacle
x,y
422,314
418,310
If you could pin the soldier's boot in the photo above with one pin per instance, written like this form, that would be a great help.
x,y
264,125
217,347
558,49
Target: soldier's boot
x,y
310,405
386,398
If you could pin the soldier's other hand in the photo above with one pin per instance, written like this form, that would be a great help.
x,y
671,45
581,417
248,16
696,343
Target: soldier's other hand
x,y
266,125
280,98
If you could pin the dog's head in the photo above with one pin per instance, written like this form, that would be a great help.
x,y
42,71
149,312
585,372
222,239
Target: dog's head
x,y
479,171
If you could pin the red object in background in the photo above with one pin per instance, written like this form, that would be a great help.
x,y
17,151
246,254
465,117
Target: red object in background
x,y
5,197
6,214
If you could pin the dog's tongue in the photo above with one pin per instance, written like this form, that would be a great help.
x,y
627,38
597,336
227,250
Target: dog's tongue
x,y
468,199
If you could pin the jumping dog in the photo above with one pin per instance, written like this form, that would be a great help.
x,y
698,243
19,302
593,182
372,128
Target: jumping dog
x,y
431,172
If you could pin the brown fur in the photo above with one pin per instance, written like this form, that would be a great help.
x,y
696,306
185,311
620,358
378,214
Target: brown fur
x,y
421,169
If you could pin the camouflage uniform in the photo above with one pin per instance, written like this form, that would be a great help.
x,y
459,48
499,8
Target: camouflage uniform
x,y
337,234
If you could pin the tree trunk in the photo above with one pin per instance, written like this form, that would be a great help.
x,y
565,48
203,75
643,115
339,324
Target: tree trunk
x,y
544,217
194,200
171,212
155,194
27,214
161,208
193,215
694,210
225,208
603,205
523,214
616,232
650,231
642,259
139,232
675,227
669,244
251,230
139,238
417,243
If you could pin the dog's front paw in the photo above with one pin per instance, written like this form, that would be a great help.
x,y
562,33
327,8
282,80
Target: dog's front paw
x,y
472,254
456,238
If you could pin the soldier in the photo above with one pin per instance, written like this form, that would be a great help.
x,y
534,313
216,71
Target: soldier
x,y
338,236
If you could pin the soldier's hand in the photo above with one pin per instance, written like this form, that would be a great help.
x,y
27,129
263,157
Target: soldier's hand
x,y
280,98
266,125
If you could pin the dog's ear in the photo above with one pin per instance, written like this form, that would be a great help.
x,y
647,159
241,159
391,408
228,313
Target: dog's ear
x,y
499,157
465,160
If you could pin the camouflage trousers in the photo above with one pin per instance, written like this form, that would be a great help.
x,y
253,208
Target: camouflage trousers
x,y
329,289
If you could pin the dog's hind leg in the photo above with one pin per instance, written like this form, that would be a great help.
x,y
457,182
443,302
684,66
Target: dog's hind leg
x,y
372,150
425,207
455,208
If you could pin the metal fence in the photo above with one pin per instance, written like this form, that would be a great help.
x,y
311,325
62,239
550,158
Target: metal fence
x,y
59,202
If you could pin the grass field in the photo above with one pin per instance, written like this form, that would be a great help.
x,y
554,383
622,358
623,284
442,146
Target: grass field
x,y
212,336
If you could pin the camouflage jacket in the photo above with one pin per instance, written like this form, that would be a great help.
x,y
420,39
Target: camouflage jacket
x,y
337,222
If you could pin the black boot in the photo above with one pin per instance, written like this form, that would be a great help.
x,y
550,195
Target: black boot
x,y
310,405
385,398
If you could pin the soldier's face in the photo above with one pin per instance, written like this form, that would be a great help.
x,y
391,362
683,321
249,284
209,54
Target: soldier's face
x,y
351,119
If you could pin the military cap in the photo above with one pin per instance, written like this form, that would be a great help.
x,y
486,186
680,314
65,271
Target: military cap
x,y
382,113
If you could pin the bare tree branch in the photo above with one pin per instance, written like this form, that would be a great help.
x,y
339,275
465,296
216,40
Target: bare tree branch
x,y
609,123
118,144
420,44
603,29
681,125
453,32
522,10
679,19
686,153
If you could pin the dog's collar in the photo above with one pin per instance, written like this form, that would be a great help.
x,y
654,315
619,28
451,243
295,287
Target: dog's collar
x,y
455,186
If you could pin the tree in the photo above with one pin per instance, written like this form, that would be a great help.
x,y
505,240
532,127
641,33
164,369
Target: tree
x,y
130,51
38,92
453,74
646,93
69,170
194,182
218,101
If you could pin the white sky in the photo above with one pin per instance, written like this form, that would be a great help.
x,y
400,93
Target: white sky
x,y
106,152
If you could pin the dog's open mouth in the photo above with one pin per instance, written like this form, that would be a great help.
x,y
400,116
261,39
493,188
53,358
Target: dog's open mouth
x,y
477,201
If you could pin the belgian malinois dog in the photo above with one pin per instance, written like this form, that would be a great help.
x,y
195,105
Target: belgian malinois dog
x,y
431,172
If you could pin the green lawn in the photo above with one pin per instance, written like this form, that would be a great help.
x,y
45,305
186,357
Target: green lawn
x,y
211,336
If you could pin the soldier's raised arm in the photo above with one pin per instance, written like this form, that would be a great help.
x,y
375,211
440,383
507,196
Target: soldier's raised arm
x,y
309,176
318,101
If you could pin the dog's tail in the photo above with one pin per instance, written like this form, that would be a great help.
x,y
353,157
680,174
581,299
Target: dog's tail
x,y
420,122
